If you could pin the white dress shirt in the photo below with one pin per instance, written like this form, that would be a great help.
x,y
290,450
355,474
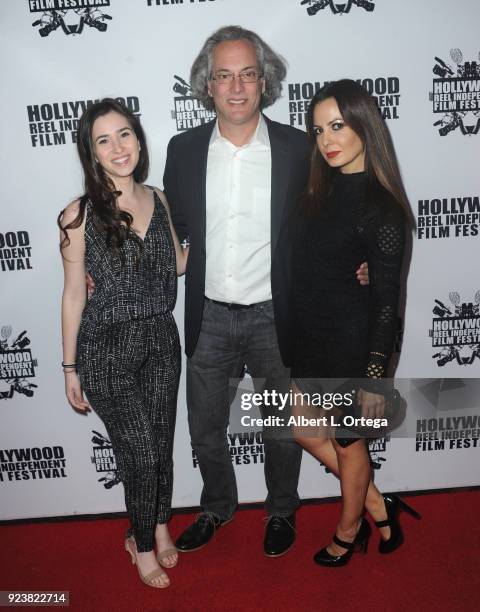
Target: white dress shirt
x,y
238,191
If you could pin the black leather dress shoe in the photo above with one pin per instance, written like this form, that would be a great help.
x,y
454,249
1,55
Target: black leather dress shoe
x,y
200,532
279,535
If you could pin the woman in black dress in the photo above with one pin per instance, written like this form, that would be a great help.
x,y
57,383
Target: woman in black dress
x,y
121,346
355,210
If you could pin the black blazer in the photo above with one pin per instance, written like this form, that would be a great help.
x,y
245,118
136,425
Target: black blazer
x,y
185,187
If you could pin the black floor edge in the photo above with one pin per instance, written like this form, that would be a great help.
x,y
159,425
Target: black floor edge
x,y
192,509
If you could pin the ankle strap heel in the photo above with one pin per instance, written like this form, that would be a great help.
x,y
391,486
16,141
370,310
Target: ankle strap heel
x,y
359,544
393,506
406,508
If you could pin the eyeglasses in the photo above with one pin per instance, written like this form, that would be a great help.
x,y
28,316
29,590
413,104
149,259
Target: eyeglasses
x,y
247,76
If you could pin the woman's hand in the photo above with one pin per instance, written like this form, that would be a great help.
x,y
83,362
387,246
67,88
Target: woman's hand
x,y
90,285
372,404
362,274
73,390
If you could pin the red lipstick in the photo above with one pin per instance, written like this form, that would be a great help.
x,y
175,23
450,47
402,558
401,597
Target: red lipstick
x,y
332,154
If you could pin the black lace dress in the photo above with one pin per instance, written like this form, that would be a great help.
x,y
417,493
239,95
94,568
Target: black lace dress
x,y
343,329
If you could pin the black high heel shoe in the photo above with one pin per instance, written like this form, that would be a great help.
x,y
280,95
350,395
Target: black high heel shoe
x,y
393,506
359,544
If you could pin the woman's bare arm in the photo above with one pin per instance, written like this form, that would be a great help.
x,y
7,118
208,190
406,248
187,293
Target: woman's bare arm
x,y
73,302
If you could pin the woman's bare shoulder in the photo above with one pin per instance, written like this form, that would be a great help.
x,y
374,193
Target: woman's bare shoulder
x,y
70,212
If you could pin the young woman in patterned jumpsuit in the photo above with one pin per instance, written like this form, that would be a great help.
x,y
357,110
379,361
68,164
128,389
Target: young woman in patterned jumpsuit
x,y
121,346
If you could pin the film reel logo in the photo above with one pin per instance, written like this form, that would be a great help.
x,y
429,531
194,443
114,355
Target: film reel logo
x,y
71,21
16,364
188,111
456,94
337,8
456,330
104,460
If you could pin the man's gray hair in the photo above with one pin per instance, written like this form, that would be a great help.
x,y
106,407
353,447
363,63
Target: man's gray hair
x,y
273,67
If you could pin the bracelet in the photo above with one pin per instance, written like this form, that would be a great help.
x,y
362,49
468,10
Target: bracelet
x,y
72,367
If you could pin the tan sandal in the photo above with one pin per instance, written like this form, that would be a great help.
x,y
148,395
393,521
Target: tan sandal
x,y
149,579
161,555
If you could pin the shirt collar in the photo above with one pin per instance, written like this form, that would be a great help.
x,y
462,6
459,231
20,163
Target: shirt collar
x,y
260,136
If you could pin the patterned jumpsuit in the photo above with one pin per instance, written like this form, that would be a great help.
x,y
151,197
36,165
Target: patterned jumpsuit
x,y
128,357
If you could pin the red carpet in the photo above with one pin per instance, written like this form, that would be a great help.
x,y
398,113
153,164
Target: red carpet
x,y
436,569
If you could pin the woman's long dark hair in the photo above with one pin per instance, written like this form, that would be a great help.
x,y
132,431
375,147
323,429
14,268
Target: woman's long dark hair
x,y
359,111
99,188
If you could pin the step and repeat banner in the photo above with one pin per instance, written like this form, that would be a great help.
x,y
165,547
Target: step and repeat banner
x,y
420,60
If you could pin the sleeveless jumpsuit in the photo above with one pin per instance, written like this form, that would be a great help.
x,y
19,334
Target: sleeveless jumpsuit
x,y
128,357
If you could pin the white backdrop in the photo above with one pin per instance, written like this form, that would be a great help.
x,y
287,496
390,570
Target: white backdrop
x,y
56,462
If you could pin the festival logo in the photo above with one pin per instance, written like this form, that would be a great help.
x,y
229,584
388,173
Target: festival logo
x,y
376,448
17,366
444,217
56,123
104,460
456,95
245,444
71,16
449,418
15,251
456,330
337,8
32,463
189,112
448,433
385,90
245,449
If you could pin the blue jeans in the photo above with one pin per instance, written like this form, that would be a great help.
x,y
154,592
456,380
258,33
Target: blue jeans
x,y
228,340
